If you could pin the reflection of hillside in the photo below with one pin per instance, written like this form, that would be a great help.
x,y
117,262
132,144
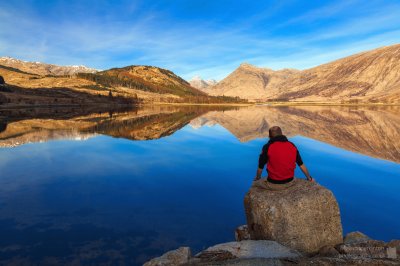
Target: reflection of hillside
x,y
146,127
26,126
20,126
370,131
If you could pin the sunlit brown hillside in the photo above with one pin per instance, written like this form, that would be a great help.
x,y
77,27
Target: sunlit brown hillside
x,y
144,78
128,85
372,76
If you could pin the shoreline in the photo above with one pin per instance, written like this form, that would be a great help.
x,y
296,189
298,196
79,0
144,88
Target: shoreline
x,y
275,104
325,104
300,224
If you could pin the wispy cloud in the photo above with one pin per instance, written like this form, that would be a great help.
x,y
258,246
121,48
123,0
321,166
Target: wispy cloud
x,y
324,12
206,46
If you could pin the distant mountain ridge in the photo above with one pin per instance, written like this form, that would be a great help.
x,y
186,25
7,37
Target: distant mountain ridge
x,y
147,78
251,82
44,69
201,84
154,79
367,77
372,76
31,84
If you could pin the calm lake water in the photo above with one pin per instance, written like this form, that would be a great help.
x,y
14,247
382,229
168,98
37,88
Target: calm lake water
x,y
123,187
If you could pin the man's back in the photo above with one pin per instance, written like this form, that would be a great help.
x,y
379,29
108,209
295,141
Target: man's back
x,y
281,157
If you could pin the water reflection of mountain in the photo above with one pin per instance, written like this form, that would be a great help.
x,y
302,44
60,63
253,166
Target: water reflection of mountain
x,y
146,127
373,131
370,131
153,122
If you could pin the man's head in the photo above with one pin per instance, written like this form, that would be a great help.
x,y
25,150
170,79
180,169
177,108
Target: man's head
x,y
275,131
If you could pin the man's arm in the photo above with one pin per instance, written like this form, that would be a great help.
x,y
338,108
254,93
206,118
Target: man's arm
x,y
258,174
303,167
306,173
262,160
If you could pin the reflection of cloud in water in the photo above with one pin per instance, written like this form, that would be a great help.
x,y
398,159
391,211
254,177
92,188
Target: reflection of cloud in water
x,y
216,132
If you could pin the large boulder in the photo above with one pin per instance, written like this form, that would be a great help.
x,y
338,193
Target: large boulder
x,y
304,217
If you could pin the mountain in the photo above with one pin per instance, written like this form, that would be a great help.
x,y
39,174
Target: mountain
x,y
372,76
147,78
44,69
126,85
30,90
204,85
250,82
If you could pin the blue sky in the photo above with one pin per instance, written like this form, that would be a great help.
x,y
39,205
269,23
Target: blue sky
x,y
206,38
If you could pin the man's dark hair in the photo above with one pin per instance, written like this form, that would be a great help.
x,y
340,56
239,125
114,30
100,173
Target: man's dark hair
x,y
275,131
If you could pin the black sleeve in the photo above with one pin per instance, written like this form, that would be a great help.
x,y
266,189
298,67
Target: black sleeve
x,y
299,161
263,159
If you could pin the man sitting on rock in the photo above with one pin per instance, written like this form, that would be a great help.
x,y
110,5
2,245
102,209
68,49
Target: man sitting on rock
x,y
281,157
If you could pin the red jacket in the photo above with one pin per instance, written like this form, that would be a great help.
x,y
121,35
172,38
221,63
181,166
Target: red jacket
x,y
281,157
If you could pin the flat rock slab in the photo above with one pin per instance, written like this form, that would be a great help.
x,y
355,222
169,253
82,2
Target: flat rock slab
x,y
300,262
171,258
240,262
250,249
304,217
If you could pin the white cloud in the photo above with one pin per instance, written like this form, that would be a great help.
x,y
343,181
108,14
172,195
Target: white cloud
x,y
208,50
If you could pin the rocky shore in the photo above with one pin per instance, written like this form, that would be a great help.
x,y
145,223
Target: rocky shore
x,y
296,226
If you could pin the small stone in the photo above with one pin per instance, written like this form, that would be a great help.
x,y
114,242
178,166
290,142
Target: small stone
x,y
328,251
391,253
242,233
355,237
171,258
395,243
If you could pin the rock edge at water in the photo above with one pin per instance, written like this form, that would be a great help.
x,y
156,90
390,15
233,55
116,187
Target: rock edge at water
x,y
364,251
299,225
